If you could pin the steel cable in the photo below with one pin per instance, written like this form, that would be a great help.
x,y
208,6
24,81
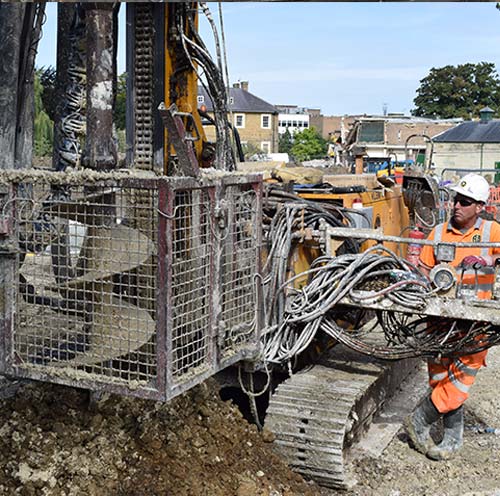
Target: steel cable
x,y
373,275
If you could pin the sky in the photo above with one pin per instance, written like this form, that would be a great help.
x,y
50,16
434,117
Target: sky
x,y
344,58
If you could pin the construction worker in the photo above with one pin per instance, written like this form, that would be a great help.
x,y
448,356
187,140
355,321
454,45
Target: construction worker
x,y
451,378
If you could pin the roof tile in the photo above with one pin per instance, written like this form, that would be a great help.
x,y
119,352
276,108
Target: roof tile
x,y
243,101
472,132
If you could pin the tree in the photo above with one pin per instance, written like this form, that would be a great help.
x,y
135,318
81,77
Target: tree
x,y
251,150
285,142
121,101
50,98
460,91
43,135
308,145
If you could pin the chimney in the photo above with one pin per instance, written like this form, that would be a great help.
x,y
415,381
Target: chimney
x,y
486,114
244,85
236,85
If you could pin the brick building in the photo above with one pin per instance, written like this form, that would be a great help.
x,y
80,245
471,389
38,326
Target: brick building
x,y
395,137
255,119
332,125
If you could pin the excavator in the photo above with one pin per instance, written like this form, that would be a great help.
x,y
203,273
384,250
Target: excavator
x,y
146,276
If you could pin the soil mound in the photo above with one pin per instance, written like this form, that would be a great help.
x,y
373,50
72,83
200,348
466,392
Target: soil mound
x,y
56,441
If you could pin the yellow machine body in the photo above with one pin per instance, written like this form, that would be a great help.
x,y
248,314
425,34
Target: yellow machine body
x,y
181,80
388,212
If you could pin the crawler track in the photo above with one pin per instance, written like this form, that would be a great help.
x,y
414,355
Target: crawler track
x,y
318,414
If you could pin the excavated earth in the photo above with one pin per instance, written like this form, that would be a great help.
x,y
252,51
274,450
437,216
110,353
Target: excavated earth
x,y
56,440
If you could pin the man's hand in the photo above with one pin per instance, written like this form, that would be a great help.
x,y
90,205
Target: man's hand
x,y
476,261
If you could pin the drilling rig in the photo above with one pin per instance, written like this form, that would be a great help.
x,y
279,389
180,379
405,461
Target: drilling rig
x,y
146,276
136,277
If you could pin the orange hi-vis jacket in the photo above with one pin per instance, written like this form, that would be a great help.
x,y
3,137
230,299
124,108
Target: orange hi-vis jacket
x,y
482,231
451,378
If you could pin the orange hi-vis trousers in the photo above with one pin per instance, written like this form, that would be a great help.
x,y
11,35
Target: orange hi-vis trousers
x,y
451,379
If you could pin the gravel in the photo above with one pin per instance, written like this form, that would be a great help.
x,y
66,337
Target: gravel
x,y
57,441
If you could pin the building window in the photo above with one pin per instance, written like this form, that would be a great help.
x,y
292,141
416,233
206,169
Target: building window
x,y
239,120
265,121
306,124
201,98
265,146
371,132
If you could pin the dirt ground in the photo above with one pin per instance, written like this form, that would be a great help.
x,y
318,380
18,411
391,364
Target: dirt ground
x,y
58,441
55,441
401,471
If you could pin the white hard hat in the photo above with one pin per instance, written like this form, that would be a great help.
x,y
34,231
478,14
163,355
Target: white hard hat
x,y
473,186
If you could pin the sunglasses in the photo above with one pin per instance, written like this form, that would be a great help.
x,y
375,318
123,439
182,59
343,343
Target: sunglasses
x,y
465,202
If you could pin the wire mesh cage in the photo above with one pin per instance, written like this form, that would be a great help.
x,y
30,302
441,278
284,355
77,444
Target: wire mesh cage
x,y
115,282
85,277
213,254
238,298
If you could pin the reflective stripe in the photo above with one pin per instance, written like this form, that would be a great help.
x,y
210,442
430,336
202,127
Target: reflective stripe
x,y
480,287
486,236
438,377
482,279
465,369
438,235
459,385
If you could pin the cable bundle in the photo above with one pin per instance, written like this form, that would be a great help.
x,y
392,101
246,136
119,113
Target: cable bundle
x,y
371,276
72,125
288,216
315,306
197,53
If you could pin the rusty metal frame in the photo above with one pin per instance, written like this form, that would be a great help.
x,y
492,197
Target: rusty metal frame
x,y
162,384
12,367
215,360
183,144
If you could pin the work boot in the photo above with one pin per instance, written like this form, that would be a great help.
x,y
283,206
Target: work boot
x,y
452,438
419,424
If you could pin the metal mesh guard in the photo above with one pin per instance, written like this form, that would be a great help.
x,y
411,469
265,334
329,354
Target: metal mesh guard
x,y
142,287
86,271
213,260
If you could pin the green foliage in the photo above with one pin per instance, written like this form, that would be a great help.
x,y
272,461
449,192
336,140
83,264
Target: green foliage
x,y
460,91
251,150
43,135
49,97
121,101
122,142
308,145
285,142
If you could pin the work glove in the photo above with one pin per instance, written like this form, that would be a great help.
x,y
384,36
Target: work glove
x,y
477,262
